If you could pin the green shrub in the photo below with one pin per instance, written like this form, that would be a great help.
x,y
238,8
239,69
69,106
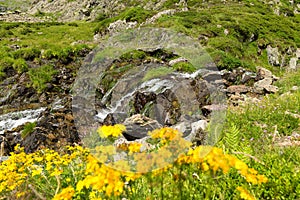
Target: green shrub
x,y
133,55
28,128
40,76
100,17
227,61
6,62
157,72
184,67
27,53
135,14
20,65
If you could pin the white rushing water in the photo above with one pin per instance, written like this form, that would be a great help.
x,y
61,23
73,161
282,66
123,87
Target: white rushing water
x,y
14,119
156,85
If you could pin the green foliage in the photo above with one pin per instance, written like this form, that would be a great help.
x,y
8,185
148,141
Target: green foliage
x,y
133,55
28,128
232,142
157,72
20,65
27,53
281,166
40,76
132,14
6,62
184,67
246,27
135,14
227,61
67,54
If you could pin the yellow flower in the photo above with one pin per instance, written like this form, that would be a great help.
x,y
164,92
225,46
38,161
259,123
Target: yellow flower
x,y
205,167
245,194
114,131
134,147
37,171
65,194
262,179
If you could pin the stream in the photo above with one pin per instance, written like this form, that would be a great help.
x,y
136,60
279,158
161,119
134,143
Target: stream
x,y
14,119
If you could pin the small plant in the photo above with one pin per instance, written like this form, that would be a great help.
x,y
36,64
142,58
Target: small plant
x,y
40,76
20,65
28,128
133,55
157,72
184,67
27,53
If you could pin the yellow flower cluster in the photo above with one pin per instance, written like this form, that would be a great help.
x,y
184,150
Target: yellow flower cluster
x,y
245,194
213,158
165,134
22,169
114,131
132,147
66,193
87,176
102,178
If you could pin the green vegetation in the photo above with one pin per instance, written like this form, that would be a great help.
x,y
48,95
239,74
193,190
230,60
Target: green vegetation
x,y
24,45
132,14
235,34
133,55
157,72
232,33
184,67
28,128
40,76
254,132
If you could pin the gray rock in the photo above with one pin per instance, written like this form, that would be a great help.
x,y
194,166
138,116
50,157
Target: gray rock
x,y
120,25
263,73
183,127
298,51
265,85
238,89
158,15
138,126
273,55
177,60
207,109
293,64
197,133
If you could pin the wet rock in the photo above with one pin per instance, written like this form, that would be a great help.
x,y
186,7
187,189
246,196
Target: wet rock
x,y
138,126
248,77
55,128
141,99
212,76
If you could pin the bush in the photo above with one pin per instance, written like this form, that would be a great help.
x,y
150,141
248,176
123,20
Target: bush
x,y
20,65
184,67
40,76
28,128
27,53
226,61
133,55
